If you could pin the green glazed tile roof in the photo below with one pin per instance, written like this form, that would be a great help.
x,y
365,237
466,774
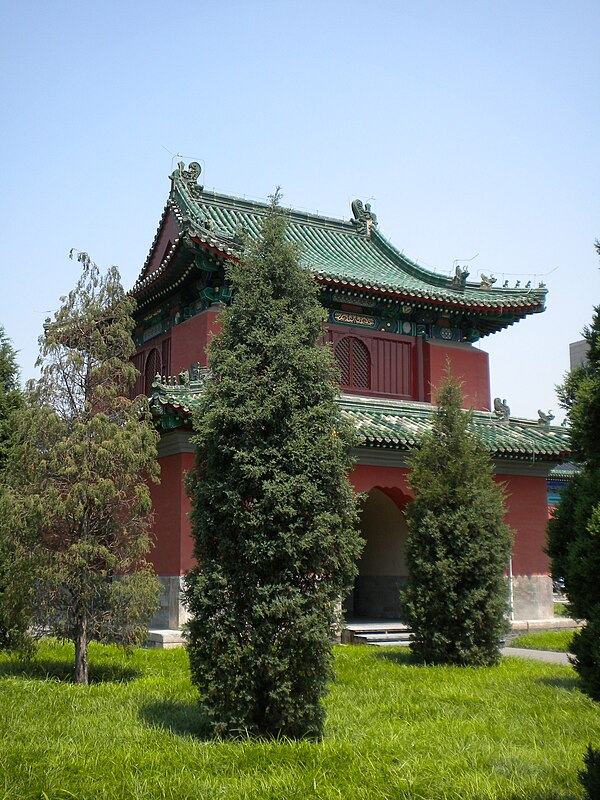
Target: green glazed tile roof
x,y
341,253
563,472
395,424
399,424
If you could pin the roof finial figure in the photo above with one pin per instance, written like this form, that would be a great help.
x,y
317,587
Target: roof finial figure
x,y
460,276
501,409
545,419
190,175
364,218
487,281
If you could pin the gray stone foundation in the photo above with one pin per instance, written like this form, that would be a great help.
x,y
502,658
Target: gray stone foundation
x,y
171,614
378,597
532,597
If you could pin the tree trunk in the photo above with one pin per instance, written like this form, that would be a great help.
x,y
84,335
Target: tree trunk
x,y
81,653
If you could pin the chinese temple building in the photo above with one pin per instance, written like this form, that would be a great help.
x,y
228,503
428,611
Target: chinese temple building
x,y
393,326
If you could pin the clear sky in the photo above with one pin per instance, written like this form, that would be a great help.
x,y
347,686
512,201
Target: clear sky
x,y
471,127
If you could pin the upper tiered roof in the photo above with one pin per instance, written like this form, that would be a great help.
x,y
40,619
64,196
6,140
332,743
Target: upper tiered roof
x,y
349,255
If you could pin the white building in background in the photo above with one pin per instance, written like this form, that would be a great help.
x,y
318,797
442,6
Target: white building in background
x,y
578,353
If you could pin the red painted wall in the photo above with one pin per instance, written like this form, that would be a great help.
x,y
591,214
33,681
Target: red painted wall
x,y
527,514
468,364
172,553
391,480
190,339
526,511
169,231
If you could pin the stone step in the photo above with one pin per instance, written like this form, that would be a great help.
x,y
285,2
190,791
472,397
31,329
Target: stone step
x,y
375,638
382,634
384,640
393,643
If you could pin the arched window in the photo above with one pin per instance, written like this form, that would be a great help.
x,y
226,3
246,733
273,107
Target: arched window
x,y
153,366
354,360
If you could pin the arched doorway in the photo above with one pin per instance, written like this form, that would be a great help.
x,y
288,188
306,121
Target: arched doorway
x,y
382,567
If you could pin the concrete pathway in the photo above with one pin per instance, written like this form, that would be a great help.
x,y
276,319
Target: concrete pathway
x,y
537,655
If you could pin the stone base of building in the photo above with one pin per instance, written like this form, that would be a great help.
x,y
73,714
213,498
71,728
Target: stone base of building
x,y
171,615
532,597
165,639
378,597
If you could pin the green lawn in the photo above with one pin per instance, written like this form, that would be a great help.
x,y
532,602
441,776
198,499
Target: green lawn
x,y
561,610
558,641
394,730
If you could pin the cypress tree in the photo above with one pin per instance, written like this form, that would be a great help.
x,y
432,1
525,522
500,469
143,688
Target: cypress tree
x,y
11,398
458,546
273,513
574,531
15,597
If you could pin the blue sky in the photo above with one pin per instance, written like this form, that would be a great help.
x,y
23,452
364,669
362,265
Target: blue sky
x,y
471,127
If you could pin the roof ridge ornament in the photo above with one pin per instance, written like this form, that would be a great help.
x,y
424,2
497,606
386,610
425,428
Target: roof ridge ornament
x,y
188,176
501,409
460,277
364,218
545,419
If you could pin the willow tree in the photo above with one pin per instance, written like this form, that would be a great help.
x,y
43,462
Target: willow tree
x,y
274,517
77,473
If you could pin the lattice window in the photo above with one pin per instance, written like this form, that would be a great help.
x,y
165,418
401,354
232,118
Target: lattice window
x,y
153,366
354,360
342,355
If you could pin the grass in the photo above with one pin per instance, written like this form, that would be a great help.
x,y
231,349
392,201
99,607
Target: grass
x,y
558,641
394,730
561,609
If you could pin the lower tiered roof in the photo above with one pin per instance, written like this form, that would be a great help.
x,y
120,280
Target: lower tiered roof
x,y
391,424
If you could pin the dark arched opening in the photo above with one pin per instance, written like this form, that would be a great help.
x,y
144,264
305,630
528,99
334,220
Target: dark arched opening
x,y
382,568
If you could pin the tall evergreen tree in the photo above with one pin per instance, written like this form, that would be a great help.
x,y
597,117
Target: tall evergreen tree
x,y
458,546
274,516
76,473
11,398
574,531
14,598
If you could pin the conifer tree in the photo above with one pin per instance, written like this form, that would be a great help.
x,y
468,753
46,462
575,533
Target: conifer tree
x,y
574,531
79,501
14,597
274,517
11,398
458,546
